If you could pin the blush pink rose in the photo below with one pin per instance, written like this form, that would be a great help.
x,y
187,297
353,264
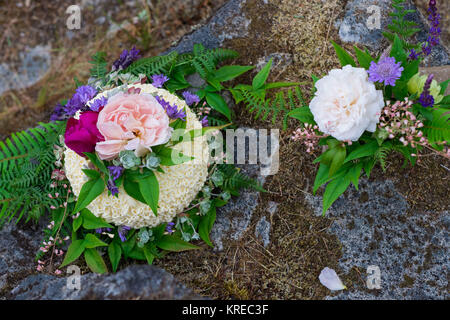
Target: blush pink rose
x,y
132,122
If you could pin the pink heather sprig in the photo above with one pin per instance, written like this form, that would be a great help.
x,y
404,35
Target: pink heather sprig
x,y
399,122
309,135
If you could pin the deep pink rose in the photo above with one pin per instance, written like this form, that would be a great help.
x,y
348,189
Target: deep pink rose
x,y
82,135
132,122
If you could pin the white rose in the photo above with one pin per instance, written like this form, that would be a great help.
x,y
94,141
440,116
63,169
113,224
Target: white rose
x,y
346,103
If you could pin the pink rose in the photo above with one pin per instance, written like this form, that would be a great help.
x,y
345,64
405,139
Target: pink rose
x,y
82,135
132,122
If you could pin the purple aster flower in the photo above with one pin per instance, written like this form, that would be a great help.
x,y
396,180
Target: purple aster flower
x,y
112,187
190,98
126,58
158,80
386,70
98,103
426,99
115,172
171,110
204,121
169,227
58,113
123,230
78,101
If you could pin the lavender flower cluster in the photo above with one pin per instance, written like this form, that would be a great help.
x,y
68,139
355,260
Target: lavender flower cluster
x,y
78,102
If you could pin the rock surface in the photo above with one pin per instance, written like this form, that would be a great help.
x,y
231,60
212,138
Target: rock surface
x,y
365,20
137,282
411,249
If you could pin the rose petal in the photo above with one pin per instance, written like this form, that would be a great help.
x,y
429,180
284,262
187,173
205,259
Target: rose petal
x,y
330,279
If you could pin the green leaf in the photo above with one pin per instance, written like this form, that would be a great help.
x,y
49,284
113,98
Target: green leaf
x,y
261,77
173,243
91,174
206,224
354,173
227,73
148,255
344,57
132,187
338,160
75,250
172,157
410,70
115,254
94,261
365,150
97,162
364,59
91,241
90,190
444,85
303,114
76,224
216,102
276,85
333,190
149,188
92,222
397,50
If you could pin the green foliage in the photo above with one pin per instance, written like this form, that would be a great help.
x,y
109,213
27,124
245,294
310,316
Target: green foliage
x,y
26,164
438,129
233,180
99,65
153,65
344,57
204,61
400,26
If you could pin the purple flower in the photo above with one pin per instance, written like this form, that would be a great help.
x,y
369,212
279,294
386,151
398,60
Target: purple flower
x,y
169,227
78,101
101,230
386,70
123,230
171,110
58,113
158,80
190,98
115,172
426,99
126,58
98,103
85,93
112,187
413,55
204,121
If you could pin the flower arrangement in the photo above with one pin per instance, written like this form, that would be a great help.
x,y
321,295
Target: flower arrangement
x,y
124,169
360,114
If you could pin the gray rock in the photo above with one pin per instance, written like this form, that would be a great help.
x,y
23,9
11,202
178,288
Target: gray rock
x,y
357,27
34,64
262,230
141,282
411,249
233,219
18,246
229,22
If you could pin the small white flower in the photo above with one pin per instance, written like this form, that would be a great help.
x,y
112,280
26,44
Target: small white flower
x,y
346,103
330,279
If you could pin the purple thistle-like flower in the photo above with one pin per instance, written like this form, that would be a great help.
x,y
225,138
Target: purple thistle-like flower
x,y
158,80
98,103
112,187
58,113
426,99
386,70
115,172
204,121
126,58
171,110
78,101
122,231
190,98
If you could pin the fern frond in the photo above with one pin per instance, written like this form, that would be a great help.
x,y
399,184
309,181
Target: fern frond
x,y
153,65
234,180
438,129
205,61
99,65
399,26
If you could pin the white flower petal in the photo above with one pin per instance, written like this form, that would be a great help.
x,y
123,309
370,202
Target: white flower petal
x,y
330,279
